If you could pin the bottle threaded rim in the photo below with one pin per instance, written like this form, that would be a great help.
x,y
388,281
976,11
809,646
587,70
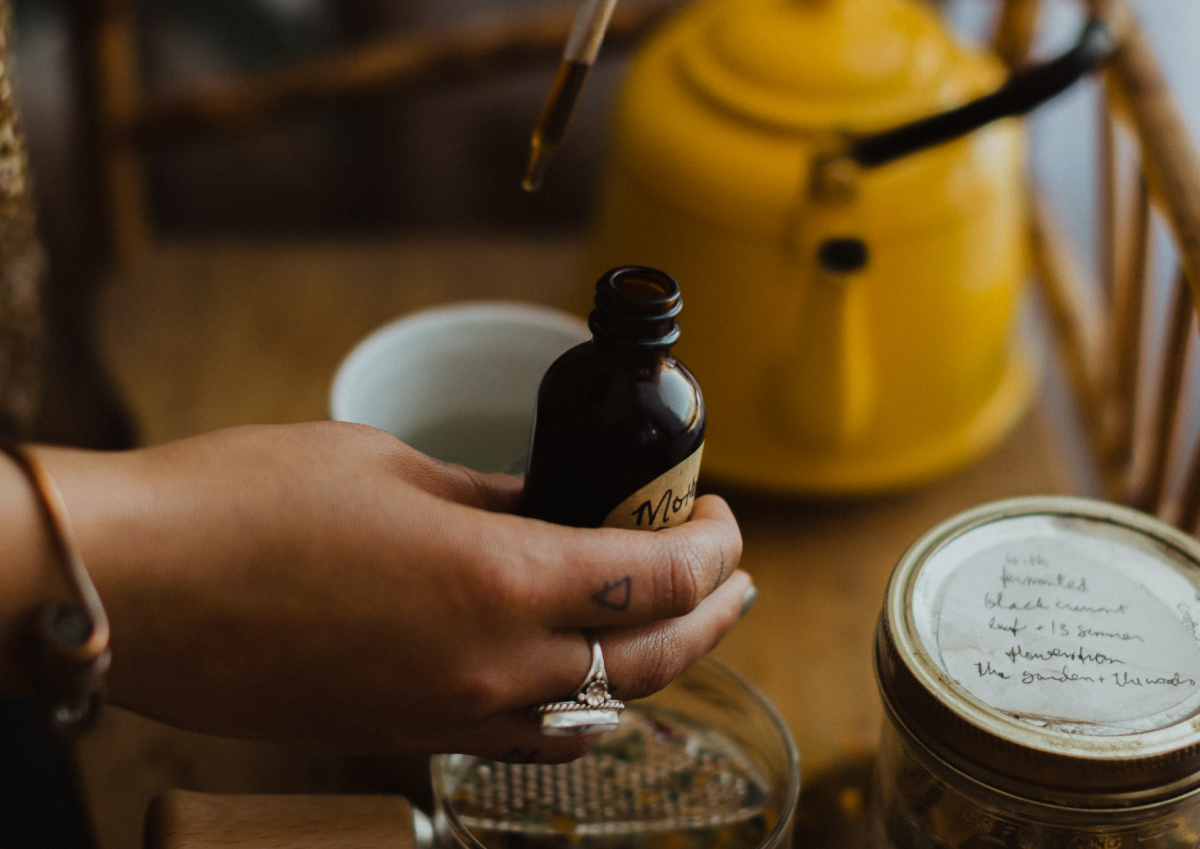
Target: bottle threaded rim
x,y
636,305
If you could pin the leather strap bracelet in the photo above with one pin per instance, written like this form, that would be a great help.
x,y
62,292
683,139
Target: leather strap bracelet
x,y
71,654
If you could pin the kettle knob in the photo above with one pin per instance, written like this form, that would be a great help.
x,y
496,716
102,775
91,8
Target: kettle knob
x,y
842,255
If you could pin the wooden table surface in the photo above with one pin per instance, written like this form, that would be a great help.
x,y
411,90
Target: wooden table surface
x,y
204,335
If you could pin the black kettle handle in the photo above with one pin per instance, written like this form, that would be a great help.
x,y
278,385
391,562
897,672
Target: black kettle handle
x,y
1025,89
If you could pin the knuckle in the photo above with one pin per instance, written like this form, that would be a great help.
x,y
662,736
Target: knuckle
x,y
503,586
661,661
733,555
473,488
478,693
479,690
689,580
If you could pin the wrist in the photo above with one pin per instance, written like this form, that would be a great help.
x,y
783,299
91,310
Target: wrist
x,y
61,644
29,579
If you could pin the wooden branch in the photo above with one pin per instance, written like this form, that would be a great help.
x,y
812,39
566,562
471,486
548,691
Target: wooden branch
x,y
400,64
1171,160
1080,324
1128,307
1189,503
1170,395
105,43
1015,31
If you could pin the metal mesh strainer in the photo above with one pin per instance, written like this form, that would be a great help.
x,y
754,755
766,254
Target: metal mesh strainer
x,y
656,772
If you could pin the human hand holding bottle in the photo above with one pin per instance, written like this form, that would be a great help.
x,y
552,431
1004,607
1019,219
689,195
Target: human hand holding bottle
x,y
326,583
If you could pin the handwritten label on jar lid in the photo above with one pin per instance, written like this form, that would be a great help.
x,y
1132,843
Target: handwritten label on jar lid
x,y
1064,623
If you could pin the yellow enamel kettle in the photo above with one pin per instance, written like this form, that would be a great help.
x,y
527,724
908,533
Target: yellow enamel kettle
x,y
828,181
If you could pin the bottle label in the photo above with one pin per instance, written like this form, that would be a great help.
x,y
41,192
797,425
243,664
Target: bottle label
x,y
664,502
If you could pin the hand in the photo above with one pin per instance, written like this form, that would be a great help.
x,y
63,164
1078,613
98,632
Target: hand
x,y
327,583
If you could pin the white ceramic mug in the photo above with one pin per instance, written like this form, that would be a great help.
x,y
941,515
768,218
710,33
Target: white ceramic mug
x,y
458,381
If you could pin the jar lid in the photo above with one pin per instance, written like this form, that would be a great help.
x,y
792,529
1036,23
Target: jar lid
x,y
1049,646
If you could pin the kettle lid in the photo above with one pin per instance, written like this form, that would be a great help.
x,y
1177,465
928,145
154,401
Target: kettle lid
x,y
798,65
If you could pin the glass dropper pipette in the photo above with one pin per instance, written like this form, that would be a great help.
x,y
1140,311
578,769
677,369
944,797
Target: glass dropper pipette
x,y
578,56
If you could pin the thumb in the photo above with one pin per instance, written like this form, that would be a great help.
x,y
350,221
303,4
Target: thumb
x,y
499,493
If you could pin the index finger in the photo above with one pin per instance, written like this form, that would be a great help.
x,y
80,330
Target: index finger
x,y
611,577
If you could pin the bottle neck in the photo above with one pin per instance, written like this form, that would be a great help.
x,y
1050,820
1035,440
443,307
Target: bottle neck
x,y
636,307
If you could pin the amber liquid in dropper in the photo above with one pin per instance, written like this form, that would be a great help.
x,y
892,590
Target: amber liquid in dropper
x,y
552,124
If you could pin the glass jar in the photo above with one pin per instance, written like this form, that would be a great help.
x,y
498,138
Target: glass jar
x,y
706,763
1039,667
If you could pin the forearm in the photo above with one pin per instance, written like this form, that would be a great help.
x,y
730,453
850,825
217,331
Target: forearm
x,y
324,582
149,533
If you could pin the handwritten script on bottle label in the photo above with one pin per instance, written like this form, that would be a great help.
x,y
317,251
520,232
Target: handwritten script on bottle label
x,y
663,503
1037,630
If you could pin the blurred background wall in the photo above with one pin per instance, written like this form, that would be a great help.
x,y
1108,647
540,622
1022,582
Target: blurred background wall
x,y
447,158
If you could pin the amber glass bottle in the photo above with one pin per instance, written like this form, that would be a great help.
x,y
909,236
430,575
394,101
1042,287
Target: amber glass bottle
x,y
619,425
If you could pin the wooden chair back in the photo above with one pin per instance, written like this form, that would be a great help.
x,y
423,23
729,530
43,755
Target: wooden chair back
x,y
1128,366
125,118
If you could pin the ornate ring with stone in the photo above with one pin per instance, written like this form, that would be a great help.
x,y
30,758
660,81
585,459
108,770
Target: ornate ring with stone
x,y
592,710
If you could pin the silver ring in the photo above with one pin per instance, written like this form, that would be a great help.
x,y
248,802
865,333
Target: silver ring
x,y
591,711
